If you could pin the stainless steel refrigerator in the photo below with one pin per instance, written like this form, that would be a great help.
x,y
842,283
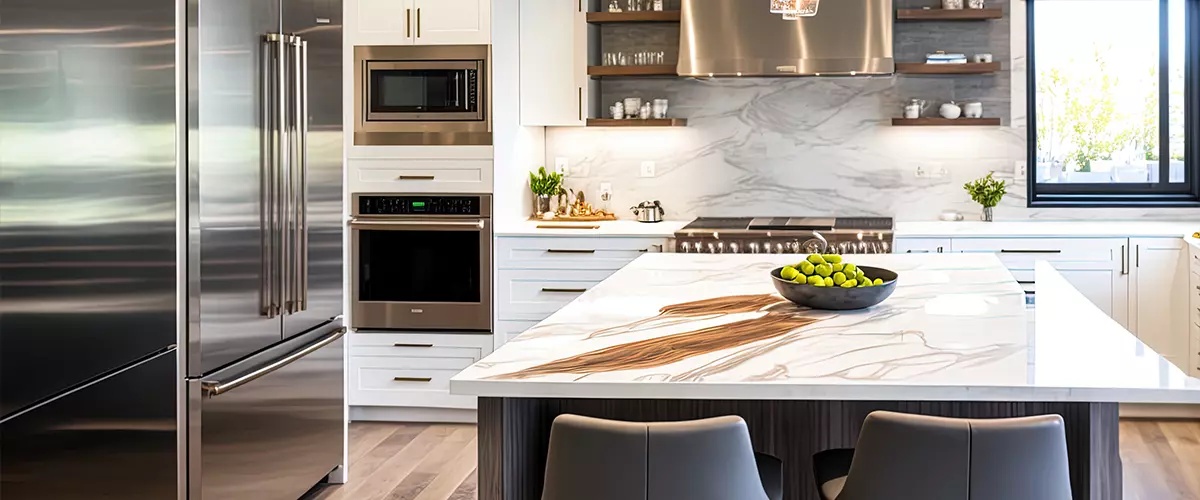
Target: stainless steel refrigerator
x,y
170,248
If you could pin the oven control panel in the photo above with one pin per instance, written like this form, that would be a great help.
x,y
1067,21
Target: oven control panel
x,y
419,205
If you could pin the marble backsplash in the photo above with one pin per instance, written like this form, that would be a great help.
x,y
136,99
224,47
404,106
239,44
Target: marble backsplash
x,y
818,146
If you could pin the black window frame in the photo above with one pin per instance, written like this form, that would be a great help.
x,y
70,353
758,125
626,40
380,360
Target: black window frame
x,y
1160,194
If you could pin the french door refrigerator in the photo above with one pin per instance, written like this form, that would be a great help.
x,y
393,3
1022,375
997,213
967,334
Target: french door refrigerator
x,y
170,248
264,389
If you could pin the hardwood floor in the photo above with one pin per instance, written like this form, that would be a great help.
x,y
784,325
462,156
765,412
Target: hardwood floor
x,y
437,462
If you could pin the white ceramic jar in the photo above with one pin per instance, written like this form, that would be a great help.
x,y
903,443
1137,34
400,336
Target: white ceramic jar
x,y
950,110
973,110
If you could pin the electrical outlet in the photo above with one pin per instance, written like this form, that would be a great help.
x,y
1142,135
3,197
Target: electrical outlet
x,y
605,191
647,169
561,165
1020,172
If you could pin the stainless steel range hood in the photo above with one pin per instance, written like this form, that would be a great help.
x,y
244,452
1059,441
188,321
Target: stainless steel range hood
x,y
742,38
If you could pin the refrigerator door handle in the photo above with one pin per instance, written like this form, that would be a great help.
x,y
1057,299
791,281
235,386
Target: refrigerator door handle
x,y
298,179
273,151
214,388
283,176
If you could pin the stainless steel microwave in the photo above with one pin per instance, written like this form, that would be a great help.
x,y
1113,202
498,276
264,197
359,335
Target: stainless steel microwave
x,y
422,95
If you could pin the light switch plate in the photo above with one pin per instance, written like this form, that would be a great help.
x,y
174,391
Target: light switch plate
x,y
561,165
1020,172
647,169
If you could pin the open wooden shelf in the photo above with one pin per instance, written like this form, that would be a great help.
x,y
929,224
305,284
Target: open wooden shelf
x,y
670,16
947,69
655,70
946,122
660,122
948,15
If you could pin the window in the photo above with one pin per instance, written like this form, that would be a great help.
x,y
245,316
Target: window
x,y
1113,102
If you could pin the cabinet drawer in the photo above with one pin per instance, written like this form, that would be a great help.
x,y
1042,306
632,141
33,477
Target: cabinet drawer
x,y
533,295
506,330
1022,253
411,370
420,176
922,245
572,253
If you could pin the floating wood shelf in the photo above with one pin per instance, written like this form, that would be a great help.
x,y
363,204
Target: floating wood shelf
x,y
947,15
946,122
670,16
663,122
655,70
947,69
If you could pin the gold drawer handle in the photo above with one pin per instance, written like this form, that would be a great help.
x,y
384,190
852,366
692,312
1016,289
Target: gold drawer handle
x,y
413,379
413,345
417,177
564,290
567,227
555,250
1030,251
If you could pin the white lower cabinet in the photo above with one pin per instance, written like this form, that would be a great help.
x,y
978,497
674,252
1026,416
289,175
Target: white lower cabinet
x,y
1095,266
411,370
536,276
1159,304
1194,311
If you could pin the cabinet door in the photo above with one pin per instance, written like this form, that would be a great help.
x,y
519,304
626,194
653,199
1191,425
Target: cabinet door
x,y
554,81
1106,288
453,22
1158,296
921,245
383,22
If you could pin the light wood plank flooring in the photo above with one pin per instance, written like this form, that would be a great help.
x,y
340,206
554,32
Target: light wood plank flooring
x,y
437,462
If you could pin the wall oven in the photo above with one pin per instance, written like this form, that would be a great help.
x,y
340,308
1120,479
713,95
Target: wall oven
x,y
422,95
421,262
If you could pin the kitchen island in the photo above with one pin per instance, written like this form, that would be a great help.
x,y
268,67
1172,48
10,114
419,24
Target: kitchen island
x,y
673,337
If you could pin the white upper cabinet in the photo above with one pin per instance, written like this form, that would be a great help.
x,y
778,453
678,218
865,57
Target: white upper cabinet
x,y
423,22
555,87
454,22
1158,307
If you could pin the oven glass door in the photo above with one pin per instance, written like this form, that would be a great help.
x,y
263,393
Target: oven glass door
x,y
431,91
419,266
413,275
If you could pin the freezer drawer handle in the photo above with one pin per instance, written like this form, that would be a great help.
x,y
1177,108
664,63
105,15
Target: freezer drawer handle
x,y
564,290
213,388
412,345
413,379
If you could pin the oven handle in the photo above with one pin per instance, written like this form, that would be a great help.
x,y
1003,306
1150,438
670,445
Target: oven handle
x,y
399,225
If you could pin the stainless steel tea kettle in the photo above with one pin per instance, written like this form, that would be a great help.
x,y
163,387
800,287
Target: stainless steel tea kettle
x,y
649,211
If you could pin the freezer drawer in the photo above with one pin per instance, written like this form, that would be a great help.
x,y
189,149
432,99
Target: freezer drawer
x,y
271,427
112,440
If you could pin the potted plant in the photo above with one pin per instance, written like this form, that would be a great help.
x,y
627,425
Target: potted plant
x,y
986,191
544,185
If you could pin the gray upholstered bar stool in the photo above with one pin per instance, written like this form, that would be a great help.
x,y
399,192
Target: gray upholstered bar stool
x,y
711,459
934,458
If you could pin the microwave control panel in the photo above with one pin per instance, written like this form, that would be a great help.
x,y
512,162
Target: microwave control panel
x,y
419,205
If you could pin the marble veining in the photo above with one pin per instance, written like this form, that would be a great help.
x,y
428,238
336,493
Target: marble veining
x,y
710,326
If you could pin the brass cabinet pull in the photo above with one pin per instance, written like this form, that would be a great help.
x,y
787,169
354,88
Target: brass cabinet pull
x,y
418,22
412,379
567,227
564,290
556,250
1031,251
416,177
407,23
580,103
412,345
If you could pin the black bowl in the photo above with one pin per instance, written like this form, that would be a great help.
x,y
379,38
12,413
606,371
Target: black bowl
x,y
838,298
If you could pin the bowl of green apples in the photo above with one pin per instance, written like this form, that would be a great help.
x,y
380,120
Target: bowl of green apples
x,y
829,282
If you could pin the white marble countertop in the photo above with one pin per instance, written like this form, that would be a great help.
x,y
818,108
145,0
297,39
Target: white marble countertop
x,y
1047,228
956,329
614,228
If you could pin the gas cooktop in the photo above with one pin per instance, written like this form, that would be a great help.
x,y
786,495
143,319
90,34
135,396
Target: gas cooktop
x,y
786,235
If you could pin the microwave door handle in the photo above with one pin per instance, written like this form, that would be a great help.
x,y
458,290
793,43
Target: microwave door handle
x,y
457,89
